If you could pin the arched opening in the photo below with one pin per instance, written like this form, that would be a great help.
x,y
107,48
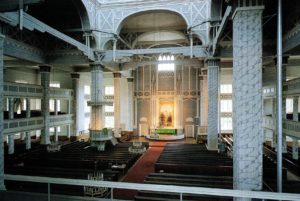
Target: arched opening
x,y
154,28
69,17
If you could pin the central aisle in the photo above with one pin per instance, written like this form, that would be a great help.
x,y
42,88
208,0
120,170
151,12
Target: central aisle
x,y
137,174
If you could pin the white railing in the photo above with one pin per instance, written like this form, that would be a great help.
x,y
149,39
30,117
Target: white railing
x,y
269,123
156,188
291,128
59,120
13,89
21,125
59,93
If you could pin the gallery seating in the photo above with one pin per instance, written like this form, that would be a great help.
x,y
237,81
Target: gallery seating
x,y
75,160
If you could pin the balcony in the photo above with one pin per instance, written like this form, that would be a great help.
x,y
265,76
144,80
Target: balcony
x,y
290,128
21,125
23,90
59,120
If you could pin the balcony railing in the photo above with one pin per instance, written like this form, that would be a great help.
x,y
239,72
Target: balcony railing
x,y
59,120
181,190
21,125
269,123
59,93
22,90
290,88
290,128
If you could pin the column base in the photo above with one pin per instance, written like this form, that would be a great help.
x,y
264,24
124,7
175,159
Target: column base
x,y
212,145
2,186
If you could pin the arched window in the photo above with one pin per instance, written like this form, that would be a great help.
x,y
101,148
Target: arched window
x,y
167,63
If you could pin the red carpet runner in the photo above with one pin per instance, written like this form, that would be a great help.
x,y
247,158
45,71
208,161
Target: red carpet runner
x,y
137,174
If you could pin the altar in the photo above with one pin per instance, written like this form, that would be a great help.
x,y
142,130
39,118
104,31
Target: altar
x,y
166,131
164,137
164,134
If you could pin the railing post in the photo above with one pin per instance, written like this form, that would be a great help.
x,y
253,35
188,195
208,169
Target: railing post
x,y
180,196
112,194
49,192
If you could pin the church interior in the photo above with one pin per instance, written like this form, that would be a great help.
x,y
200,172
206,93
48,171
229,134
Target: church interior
x,y
149,100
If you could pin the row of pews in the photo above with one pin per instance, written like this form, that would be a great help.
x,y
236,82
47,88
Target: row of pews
x,y
287,158
194,166
76,160
270,166
189,165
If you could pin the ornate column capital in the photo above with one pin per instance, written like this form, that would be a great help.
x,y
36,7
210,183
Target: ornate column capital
x,y
117,74
96,66
75,75
213,62
45,69
130,79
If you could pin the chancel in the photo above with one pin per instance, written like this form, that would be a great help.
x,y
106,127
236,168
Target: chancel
x,y
157,100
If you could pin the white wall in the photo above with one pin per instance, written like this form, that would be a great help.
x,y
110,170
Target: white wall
x,y
30,76
226,76
85,79
124,116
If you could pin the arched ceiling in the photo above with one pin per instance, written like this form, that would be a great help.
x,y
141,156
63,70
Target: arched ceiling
x,y
154,28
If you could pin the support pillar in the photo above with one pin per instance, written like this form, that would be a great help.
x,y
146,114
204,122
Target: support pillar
x,y
274,116
117,77
75,85
69,131
96,97
11,144
28,140
45,82
2,186
55,134
284,79
213,99
130,104
28,114
295,108
55,107
295,149
11,108
69,107
203,99
247,99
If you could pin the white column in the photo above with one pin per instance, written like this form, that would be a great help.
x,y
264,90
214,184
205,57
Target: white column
x,y
2,186
69,131
96,97
247,99
11,108
274,116
28,140
45,82
284,65
204,99
213,107
68,106
135,114
117,77
130,104
295,108
11,144
55,134
55,107
22,136
75,84
28,115
295,149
